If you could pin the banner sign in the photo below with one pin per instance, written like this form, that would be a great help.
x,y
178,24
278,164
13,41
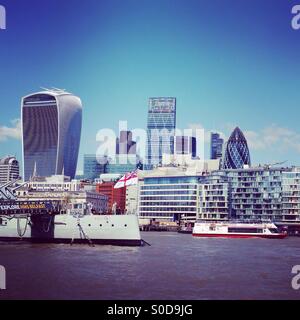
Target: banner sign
x,y
28,205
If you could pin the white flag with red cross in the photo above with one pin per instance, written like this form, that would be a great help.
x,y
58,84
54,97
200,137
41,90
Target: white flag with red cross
x,y
128,179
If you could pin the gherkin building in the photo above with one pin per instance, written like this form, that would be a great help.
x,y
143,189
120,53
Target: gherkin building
x,y
237,154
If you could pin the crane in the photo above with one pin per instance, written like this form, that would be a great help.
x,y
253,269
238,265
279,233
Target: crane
x,y
268,166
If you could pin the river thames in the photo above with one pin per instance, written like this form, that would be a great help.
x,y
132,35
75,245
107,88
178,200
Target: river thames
x,y
175,266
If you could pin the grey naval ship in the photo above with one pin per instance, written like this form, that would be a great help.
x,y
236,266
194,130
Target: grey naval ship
x,y
44,221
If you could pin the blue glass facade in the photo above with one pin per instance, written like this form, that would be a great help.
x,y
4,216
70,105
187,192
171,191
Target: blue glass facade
x,y
51,129
160,129
237,154
186,145
255,193
216,145
169,198
170,180
92,168
123,164
246,194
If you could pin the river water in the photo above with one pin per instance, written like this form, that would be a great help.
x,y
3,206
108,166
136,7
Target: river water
x,y
175,266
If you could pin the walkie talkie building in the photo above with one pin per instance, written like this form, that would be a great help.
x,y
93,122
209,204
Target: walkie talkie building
x,y
160,130
51,130
237,154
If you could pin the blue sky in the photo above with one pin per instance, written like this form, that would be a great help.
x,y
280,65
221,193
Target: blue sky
x,y
228,63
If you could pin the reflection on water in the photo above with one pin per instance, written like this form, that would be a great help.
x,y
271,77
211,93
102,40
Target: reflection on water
x,y
176,266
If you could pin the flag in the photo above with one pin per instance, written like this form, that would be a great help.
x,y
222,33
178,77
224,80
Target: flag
x,y
129,179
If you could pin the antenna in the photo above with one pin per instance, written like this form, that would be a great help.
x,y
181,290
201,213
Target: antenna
x,y
46,89
54,89
58,90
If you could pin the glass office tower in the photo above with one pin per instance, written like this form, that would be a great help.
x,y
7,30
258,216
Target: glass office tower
x,y
216,146
237,154
186,145
160,130
51,129
93,167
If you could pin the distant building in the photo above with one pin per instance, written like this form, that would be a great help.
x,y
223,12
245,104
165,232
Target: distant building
x,y
54,183
237,154
116,197
160,130
51,129
9,170
93,166
190,164
122,164
186,145
124,144
63,189
126,160
216,146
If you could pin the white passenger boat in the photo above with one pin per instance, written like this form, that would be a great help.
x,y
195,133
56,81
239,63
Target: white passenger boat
x,y
235,229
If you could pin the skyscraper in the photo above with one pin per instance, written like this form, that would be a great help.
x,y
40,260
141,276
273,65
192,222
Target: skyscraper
x,y
237,154
93,167
124,144
216,146
160,129
9,169
186,145
126,159
51,129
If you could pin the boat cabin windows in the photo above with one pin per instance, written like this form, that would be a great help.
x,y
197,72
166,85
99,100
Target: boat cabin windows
x,y
244,230
212,227
274,230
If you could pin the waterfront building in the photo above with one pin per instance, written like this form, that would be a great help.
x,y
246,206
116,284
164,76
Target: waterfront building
x,y
216,146
213,198
183,193
51,129
176,192
93,166
291,197
161,126
9,170
168,194
255,193
237,154
186,145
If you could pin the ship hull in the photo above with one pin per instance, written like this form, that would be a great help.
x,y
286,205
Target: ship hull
x,y
112,242
120,230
